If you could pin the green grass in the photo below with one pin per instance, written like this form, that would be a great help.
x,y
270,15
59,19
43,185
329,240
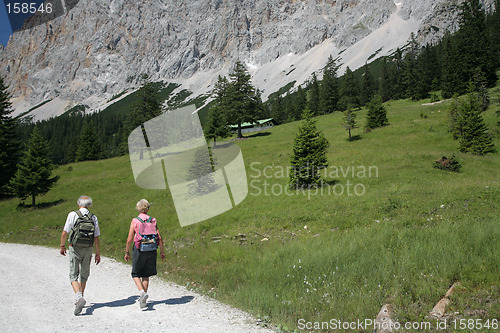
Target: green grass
x,y
413,232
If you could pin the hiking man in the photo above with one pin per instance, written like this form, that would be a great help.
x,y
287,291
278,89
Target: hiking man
x,y
83,229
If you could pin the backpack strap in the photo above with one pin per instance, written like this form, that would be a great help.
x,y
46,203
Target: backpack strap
x,y
148,220
79,213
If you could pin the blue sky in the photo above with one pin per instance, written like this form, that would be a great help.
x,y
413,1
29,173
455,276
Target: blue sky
x,y
5,29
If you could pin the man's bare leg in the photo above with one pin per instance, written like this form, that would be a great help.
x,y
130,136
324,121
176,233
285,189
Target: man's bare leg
x,y
83,284
76,286
79,287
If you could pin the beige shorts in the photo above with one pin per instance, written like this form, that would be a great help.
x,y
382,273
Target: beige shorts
x,y
79,263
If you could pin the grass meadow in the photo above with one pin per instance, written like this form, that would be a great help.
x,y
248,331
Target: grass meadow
x,y
387,228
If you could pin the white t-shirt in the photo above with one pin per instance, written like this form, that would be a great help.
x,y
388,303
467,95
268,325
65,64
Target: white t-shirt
x,y
73,216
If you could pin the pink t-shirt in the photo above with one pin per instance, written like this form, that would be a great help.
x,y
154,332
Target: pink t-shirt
x,y
137,228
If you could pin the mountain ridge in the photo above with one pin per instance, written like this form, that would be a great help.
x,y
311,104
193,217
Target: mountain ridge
x,y
100,48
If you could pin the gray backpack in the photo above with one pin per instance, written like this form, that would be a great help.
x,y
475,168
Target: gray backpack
x,y
82,233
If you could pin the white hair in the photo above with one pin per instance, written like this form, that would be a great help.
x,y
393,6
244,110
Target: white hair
x,y
142,206
84,201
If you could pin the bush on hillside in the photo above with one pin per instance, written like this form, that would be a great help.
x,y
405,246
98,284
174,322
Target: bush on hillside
x,y
448,164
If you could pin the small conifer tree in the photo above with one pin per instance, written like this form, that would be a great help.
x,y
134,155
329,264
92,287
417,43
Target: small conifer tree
x,y
89,147
33,176
200,172
468,126
309,155
350,121
377,114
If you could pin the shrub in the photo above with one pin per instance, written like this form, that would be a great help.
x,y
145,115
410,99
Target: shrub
x,y
435,97
449,164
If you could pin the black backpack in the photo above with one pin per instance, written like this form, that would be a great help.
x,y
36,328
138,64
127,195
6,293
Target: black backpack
x,y
82,233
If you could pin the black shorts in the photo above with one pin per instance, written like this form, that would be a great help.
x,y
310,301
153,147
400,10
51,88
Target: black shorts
x,y
143,263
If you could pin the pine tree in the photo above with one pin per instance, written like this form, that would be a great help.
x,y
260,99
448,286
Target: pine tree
x,y
243,102
397,75
349,91
350,121
309,155
493,25
219,93
368,85
147,107
472,43
33,175
427,69
200,173
299,103
377,114
385,86
89,147
313,95
469,127
216,125
410,73
329,88
8,140
420,70
450,80
278,111
479,85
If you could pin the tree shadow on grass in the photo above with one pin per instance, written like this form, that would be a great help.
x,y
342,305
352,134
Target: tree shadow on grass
x,y
258,134
170,301
42,205
114,304
329,182
355,138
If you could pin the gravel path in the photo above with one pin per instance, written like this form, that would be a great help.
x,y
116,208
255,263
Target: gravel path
x,y
36,296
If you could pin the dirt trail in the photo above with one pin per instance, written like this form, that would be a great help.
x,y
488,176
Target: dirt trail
x,y
36,296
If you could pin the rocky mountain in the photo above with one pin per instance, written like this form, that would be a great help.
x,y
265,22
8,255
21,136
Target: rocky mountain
x,y
99,48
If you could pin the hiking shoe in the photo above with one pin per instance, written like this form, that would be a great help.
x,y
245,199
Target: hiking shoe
x,y
143,300
79,305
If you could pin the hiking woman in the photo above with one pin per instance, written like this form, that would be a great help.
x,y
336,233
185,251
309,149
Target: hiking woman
x,y
146,237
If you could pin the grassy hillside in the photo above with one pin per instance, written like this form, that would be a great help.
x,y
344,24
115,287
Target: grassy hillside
x,y
395,230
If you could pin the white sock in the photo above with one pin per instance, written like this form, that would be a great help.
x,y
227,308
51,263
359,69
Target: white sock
x,y
78,296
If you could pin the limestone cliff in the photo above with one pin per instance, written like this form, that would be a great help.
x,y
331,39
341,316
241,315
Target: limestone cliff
x,y
99,48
